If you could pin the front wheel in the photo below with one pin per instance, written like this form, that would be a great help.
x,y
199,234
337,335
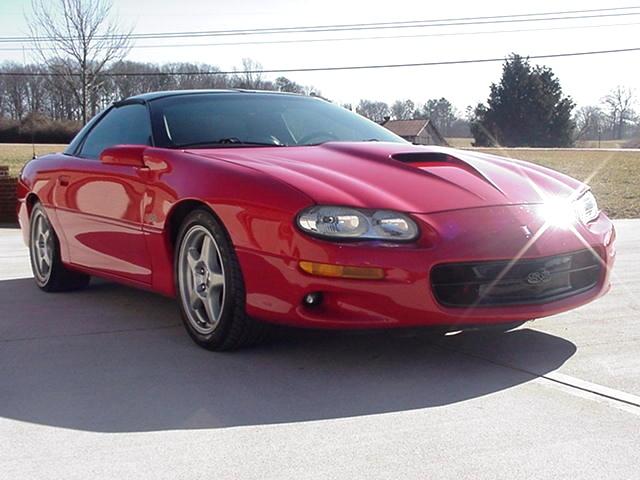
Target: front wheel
x,y
44,250
210,287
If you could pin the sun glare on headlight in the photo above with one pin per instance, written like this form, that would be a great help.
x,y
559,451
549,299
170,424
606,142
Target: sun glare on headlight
x,y
564,212
558,212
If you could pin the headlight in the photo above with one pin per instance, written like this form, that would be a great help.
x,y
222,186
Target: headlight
x,y
345,223
561,212
586,207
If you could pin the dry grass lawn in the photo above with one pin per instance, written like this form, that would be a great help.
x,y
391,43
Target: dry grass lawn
x,y
614,176
459,142
601,144
464,142
17,154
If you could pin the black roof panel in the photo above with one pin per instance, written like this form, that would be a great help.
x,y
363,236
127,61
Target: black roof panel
x,y
149,96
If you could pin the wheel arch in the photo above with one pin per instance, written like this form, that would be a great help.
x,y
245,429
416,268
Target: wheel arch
x,y
165,244
24,215
30,202
179,212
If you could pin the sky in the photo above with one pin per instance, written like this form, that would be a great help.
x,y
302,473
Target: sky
x,y
586,79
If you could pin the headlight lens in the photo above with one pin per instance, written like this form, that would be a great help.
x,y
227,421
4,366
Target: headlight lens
x,y
587,207
345,222
562,212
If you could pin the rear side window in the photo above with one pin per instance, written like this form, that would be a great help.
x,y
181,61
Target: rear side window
x,y
126,125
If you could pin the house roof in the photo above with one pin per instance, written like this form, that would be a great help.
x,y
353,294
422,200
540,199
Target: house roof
x,y
415,128
407,128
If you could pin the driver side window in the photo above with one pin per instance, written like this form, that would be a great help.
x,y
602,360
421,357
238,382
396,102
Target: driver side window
x,y
126,125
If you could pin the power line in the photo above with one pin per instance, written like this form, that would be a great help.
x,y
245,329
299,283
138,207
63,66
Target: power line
x,y
344,39
397,23
428,24
443,22
325,69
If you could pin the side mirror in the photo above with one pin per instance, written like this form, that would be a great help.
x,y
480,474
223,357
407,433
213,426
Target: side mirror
x,y
132,155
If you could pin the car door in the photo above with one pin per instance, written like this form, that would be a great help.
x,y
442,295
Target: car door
x,y
99,206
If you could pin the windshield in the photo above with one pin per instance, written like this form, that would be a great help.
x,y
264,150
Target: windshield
x,y
236,119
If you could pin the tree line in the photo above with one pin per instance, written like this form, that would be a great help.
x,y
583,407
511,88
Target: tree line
x,y
614,118
28,88
30,99
82,68
440,111
526,107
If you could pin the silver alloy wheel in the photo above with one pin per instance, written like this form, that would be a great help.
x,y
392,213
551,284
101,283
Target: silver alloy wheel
x,y
201,279
41,247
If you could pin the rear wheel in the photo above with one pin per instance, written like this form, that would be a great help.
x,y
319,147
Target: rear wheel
x,y
210,286
44,249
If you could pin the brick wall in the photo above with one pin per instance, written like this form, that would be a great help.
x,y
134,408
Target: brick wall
x,y
7,196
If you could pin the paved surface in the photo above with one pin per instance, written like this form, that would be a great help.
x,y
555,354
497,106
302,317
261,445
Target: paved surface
x,y
104,384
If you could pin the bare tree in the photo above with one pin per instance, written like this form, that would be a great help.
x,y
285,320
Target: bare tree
x,y
590,122
376,111
24,90
77,40
14,90
3,96
441,112
403,109
250,76
619,104
283,84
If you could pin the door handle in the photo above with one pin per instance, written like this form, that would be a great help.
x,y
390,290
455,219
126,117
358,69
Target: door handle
x,y
63,180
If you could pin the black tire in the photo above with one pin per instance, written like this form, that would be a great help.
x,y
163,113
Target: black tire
x,y
234,329
55,277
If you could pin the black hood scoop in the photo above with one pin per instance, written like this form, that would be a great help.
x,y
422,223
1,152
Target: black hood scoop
x,y
428,159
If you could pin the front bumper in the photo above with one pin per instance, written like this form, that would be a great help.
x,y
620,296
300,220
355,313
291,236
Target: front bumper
x,y
276,285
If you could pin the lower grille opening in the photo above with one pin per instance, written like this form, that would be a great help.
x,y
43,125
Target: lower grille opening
x,y
524,281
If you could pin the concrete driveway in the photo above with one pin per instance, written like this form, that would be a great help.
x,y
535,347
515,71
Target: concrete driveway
x,y
104,383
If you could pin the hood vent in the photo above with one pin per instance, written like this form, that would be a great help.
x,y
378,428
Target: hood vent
x,y
425,158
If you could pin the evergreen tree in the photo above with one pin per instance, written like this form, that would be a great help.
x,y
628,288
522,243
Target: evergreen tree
x,y
527,108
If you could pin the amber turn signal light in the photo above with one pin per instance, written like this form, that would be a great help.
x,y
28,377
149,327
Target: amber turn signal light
x,y
342,271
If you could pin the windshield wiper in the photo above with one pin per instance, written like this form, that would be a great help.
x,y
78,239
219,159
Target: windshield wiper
x,y
228,141
327,141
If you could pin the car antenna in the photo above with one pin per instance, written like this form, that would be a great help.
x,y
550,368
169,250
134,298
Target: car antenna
x,y
33,142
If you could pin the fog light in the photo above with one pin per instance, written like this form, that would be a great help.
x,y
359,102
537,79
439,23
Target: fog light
x,y
312,299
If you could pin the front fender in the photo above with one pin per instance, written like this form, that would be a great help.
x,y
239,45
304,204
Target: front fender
x,y
257,210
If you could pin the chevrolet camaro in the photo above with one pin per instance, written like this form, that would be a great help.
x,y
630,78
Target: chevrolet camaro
x,y
258,208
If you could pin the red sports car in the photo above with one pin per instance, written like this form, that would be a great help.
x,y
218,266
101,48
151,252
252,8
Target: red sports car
x,y
255,208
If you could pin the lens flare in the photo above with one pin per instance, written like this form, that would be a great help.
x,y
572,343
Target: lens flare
x,y
558,212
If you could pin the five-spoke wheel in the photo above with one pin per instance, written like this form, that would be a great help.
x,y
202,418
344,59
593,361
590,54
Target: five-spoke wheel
x,y
42,246
202,283
49,272
210,286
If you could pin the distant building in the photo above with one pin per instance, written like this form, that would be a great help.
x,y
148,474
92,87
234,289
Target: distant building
x,y
419,132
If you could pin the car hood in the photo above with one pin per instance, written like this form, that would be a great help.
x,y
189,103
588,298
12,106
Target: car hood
x,y
409,178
